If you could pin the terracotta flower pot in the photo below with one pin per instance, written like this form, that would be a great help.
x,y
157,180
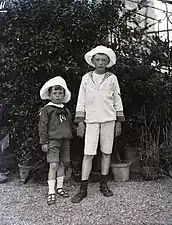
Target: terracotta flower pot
x,y
23,171
121,170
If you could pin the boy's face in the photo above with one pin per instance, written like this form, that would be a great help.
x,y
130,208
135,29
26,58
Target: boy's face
x,y
100,61
57,94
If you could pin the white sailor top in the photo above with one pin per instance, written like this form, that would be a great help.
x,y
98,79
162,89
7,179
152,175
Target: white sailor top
x,y
99,103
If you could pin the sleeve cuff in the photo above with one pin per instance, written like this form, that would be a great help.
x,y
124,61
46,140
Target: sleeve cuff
x,y
79,119
119,113
120,116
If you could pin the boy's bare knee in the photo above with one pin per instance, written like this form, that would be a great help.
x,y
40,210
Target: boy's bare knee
x,y
104,155
53,166
88,157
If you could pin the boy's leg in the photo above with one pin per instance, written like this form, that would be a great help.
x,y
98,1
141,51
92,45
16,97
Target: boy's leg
x,y
52,170
64,157
52,159
51,182
91,143
60,175
105,164
60,180
86,169
86,166
106,144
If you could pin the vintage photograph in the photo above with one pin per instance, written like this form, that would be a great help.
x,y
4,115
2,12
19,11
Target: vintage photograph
x,y
85,112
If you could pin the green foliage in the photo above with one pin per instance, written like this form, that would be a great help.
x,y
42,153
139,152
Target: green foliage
x,y
43,39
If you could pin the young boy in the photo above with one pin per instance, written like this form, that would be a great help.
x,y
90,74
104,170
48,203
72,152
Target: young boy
x,y
55,127
99,105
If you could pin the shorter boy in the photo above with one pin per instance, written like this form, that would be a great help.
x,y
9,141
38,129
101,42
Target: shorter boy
x,y
55,131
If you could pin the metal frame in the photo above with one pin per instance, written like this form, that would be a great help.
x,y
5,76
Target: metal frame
x,y
166,12
167,17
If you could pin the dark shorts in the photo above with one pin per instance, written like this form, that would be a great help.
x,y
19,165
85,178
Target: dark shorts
x,y
59,151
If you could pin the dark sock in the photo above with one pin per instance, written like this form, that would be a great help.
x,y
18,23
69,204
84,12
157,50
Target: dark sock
x,y
104,178
84,181
84,184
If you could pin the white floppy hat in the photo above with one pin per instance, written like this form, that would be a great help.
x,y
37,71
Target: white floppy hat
x,y
104,50
53,82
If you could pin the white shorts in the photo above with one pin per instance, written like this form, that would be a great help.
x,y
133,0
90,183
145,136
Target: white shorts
x,y
95,130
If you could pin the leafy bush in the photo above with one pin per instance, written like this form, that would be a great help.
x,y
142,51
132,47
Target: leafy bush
x,y
43,39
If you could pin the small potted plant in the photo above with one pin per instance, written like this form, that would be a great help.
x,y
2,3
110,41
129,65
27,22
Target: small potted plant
x,y
120,167
24,135
129,140
24,162
25,142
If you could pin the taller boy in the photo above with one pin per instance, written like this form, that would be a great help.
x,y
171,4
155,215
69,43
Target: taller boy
x,y
100,107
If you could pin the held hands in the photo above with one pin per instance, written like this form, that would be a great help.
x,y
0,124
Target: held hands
x,y
117,129
45,148
81,129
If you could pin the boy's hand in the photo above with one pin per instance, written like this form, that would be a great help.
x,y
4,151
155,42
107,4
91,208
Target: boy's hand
x,y
81,129
45,148
117,129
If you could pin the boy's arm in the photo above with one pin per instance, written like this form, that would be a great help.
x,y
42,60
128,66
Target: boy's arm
x,y
118,102
43,127
80,107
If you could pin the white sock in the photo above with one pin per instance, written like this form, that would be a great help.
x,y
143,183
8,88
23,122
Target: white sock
x,y
51,186
60,182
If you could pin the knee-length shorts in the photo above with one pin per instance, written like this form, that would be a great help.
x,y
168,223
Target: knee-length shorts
x,y
58,151
94,132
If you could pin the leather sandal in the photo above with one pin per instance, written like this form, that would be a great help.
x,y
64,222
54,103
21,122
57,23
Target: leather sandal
x,y
62,193
51,199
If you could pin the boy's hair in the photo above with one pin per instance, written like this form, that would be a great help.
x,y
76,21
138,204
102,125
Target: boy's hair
x,y
56,87
100,54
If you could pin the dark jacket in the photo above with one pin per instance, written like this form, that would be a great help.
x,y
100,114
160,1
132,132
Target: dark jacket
x,y
55,123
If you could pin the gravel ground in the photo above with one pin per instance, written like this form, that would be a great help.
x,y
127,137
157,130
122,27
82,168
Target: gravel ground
x,y
133,203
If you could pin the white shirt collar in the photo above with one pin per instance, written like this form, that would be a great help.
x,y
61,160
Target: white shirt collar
x,y
57,105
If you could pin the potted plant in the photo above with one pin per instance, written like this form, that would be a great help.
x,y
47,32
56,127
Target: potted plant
x,y
23,149
120,168
25,143
130,142
24,163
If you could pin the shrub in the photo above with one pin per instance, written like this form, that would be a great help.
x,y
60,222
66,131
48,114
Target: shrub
x,y
42,39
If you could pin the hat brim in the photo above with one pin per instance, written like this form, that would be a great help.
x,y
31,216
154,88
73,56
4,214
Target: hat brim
x,y
44,94
103,50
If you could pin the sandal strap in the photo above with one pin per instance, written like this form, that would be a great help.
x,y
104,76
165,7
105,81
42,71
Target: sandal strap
x,y
62,192
51,197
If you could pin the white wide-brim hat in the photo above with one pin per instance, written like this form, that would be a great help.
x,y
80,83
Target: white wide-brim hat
x,y
104,50
44,94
